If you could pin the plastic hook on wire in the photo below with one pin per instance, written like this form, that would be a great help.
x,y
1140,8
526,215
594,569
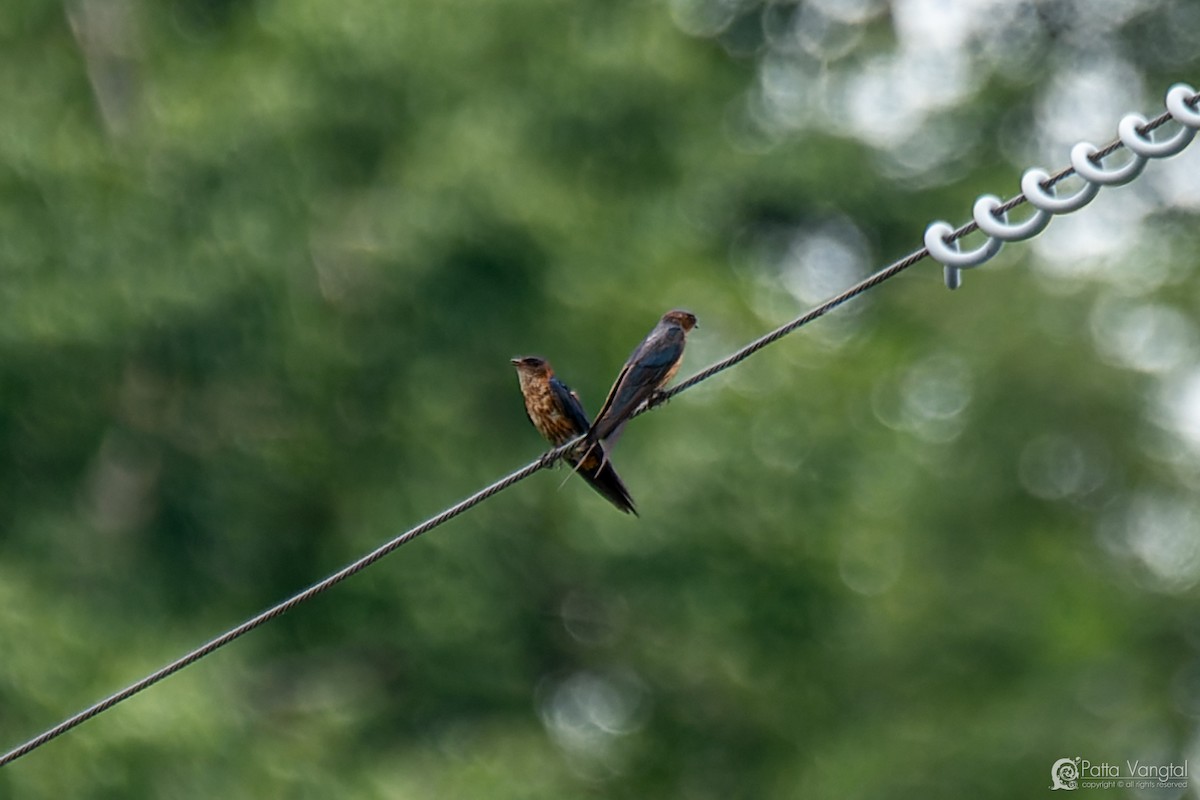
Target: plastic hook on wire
x,y
1177,106
999,226
1031,187
1129,129
1090,171
1180,107
954,258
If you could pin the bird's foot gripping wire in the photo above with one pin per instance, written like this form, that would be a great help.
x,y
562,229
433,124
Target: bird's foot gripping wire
x,y
657,398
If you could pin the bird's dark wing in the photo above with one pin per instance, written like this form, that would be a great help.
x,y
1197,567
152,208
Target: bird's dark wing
x,y
607,482
606,409
644,372
598,471
570,404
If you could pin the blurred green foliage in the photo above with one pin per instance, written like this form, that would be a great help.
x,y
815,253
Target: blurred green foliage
x,y
262,267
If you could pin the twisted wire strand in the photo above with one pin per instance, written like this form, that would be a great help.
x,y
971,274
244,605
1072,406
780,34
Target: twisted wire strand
x,y
283,607
890,271
546,460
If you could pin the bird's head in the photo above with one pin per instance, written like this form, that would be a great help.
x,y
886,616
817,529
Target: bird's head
x,y
531,365
684,319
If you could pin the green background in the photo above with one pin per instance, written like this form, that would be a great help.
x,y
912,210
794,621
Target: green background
x,y
262,267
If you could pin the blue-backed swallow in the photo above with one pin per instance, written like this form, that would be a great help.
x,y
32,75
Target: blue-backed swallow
x,y
649,368
558,415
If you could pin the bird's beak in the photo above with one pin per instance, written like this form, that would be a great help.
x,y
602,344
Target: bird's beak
x,y
514,361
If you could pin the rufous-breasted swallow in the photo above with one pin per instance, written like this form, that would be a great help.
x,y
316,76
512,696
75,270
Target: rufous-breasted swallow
x,y
651,366
558,415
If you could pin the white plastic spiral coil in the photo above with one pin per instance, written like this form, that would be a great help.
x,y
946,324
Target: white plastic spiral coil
x,y
1047,201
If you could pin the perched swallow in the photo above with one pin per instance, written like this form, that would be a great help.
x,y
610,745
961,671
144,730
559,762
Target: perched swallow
x,y
650,367
558,415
